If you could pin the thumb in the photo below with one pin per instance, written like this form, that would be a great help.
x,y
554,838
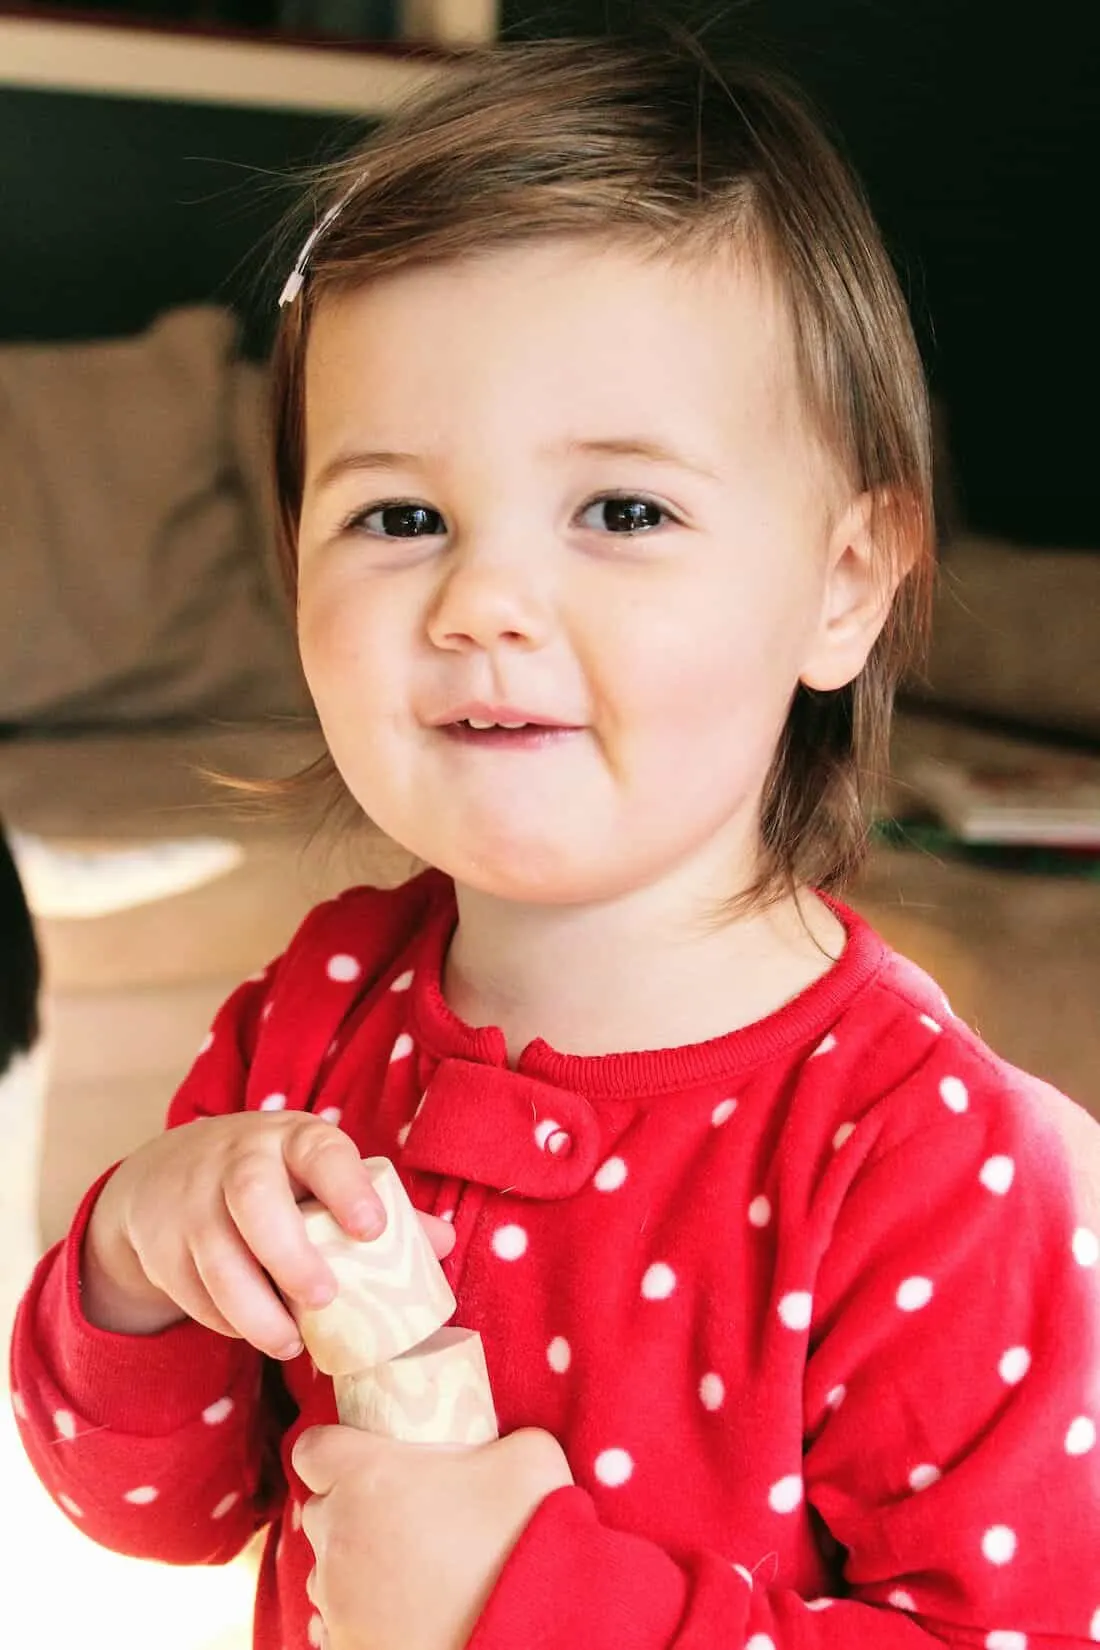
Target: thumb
x,y
441,1234
322,1455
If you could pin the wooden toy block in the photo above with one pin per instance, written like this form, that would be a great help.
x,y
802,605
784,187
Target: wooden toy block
x,y
397,1370
392,1292
436,1393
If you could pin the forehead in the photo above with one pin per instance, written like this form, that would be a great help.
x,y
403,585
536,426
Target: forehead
x,y
520,341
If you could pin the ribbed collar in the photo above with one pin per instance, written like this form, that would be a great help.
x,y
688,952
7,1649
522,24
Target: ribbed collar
x,y
805,1020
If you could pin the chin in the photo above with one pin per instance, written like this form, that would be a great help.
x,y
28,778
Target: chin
x,y
536,875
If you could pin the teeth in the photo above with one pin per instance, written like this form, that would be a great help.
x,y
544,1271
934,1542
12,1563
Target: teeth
x,y
474,723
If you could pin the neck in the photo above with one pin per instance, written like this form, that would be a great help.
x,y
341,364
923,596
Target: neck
x,y
628,975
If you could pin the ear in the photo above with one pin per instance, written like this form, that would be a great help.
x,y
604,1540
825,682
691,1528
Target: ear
x,y
861,578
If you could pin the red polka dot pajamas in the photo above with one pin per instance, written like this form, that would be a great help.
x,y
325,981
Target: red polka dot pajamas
x,y
812,1308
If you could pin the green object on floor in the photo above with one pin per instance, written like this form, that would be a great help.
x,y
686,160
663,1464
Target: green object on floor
x,y
927,837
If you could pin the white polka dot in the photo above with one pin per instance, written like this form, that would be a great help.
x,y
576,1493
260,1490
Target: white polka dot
x,y
924,1476
901,1600
796,1309
826,1046
836,1396
509,1242
1094,1628
760,1641
613,1467
997,1174
343,969
1081,1437
760,1211
1086,1247
295,1514
207,1043
610,1175
18,1405
559,1354
64,1423
722,1112
999,1544
316,1632
712,1391
544,1130
1014,1365
1002,1639
330,1114
785,1495
70,1506
273,1102
403,1133
402,1048
226,1502
954,1095
746,1575
845,1132
659,1282
914,1293
820,1603
447,1214
933,1025
214,1414
142,1496
559,1142
403,981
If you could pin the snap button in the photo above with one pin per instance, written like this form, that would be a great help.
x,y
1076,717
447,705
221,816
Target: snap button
x,y
551,1137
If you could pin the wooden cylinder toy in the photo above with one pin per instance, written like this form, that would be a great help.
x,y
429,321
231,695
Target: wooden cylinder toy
x,y
392,1292
397,1370
436,1393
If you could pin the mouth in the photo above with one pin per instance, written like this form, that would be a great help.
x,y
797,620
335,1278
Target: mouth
x,y
529,736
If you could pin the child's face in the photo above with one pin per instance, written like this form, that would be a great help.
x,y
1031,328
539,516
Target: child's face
x,y
676,649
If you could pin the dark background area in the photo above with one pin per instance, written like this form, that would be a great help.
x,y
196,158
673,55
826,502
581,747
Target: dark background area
x,y
976,130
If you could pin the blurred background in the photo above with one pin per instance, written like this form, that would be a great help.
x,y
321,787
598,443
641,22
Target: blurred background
x,y
148,152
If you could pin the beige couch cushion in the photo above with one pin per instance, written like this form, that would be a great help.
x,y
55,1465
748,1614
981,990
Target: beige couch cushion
x,y
135,575
1016,635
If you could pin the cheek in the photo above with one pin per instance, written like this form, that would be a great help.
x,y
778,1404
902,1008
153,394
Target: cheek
x,y
340,642
709,686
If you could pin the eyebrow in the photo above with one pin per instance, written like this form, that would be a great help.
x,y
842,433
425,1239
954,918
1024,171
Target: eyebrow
x,y
654,452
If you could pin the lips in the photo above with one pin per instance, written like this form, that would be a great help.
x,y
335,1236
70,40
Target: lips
x,y
511,716
536,736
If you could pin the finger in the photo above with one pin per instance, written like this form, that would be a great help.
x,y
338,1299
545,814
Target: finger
x,y
441,1234
184,1286
260,1203
321,1455
325,1163
242,1295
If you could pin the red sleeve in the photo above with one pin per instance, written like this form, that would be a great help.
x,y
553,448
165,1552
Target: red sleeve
x,y
952,1400
158,1446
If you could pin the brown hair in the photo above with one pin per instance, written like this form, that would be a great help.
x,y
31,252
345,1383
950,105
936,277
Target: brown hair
x,y
652,145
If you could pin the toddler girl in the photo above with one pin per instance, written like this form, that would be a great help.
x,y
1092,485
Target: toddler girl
x,y
603,461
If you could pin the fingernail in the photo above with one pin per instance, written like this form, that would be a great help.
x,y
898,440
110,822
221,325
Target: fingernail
x,y
290,1350
368,1220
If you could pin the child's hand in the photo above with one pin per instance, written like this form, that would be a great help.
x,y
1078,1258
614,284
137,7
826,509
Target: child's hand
x,y
202,1222
409,1539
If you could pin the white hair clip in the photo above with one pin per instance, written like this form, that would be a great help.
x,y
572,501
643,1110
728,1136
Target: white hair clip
x,y
296,280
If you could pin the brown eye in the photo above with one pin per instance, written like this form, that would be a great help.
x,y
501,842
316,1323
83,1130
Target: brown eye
x,y
625,515
399,521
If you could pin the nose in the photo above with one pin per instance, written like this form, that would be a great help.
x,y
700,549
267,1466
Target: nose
x,y
488,598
